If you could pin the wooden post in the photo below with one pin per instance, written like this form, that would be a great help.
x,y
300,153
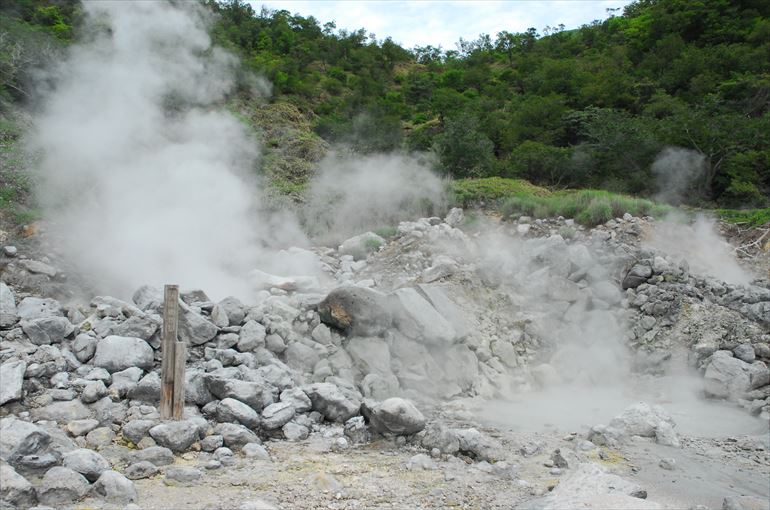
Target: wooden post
x,y
180,362
168,344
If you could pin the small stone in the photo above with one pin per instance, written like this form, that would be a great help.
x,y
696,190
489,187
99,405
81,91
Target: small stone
x,y
10,251
435,453
295,432
176,436
185,476
157,455
255,451
211,443
668,464
139,470
277,415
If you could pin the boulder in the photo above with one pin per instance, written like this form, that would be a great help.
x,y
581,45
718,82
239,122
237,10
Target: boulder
x,y
86,462
356,310
61,487
232,410
148,298
297,398
234,309
637,275
47,330
35,308
641,419
62,412
256,394
135,430
184,476
356,430
137,326
438,436
369,355
380,387
416,318
116,353
729,377
301,357
177,436
15,490
140,470
361,245
115,488
235,436
332,403
147,389
12,377
251,337
157,455
255,451
277,415
395,416
84,347
8,316
194,328
475,444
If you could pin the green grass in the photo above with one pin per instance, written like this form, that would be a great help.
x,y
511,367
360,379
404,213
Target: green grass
x,y
749,217
588,207
386,232
465,192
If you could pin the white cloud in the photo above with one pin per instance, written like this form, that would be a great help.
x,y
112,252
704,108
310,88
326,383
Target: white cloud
x,y
421,23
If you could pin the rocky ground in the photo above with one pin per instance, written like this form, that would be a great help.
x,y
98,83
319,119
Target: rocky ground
x,y
456,364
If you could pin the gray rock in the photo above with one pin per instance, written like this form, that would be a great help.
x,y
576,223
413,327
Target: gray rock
x,y
361,245
62,487
147,389
478,446
15,491
8,316
369,355
257,504
255,451
356,310
416,318
332,403
31,308
729,377
86,462
84,347
356,430
19,438
235,436
301,357
125,380
234,309
394,416
62,412
255,394
640,419
745,503
322,334
115,488
177,436
665,435
141,470
194,329
745,352
293,431
380,387
100,437
297,398
437,435
636,276
93,391
10,251
116,353
232,410
277,415
251,337
47,330
211,443
77,428
137,326
135,430
37,267
274,343
421,462
196,390
184,476
156,455
148,298
12,378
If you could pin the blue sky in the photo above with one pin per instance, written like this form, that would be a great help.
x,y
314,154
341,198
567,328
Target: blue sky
x,y
434,22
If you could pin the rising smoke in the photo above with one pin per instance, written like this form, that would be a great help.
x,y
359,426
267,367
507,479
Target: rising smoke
x,y
676,170
143,180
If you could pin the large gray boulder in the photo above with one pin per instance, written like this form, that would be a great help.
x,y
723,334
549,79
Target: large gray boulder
x,y
147,389
258,395
62,412
15,490
251,337
157,455
356,310
234,435
135,430
729,377
137,326
234,309
35,308
116,353
369,355
277,415
331,402
19,438
115,488
232,410
437,435
637,275
641,419
11,380
301,357
416,318
86,462
477,445
361,245
395,416
84,347
47,330
8,316
177,436
194,328
61,487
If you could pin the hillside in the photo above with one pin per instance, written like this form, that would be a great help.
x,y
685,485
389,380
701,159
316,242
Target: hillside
x,y
591,107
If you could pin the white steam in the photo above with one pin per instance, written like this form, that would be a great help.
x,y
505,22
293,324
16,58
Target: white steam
x,y
676,170
699,244
143,180
353,194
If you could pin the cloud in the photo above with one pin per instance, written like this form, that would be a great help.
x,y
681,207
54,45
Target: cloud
x,y
421,23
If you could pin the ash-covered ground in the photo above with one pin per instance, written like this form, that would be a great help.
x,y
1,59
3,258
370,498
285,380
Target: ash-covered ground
x,y
458,363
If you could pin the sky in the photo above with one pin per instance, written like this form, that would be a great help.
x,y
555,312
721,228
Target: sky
x,y
439,22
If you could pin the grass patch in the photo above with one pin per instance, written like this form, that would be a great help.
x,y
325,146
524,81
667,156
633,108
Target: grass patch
x,y
465,192
386,232
372,244
750,217
588,207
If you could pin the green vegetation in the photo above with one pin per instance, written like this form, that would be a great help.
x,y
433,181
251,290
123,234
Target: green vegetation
x,y
747,217
467,192
386,232
588,207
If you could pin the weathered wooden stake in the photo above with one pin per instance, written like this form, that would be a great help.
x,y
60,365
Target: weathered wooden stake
x,y
168,351
180,362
